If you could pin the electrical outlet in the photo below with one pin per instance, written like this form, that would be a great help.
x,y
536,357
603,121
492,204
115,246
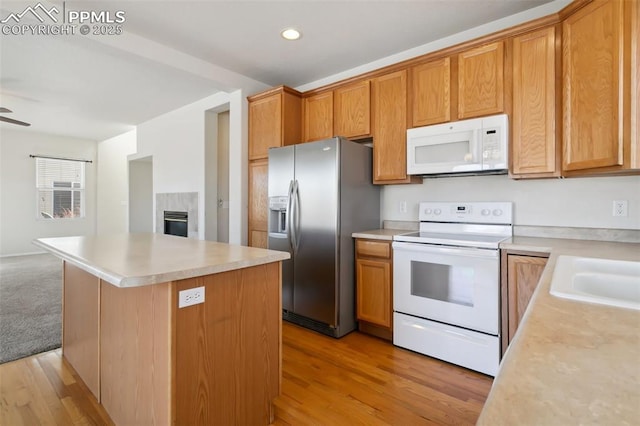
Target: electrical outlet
x,y
620,208
193,296
403,206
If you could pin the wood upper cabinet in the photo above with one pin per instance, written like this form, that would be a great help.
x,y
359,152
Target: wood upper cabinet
x,y
389,110
258,203
535,121
374,304
430,93
599,53
481,81
523,273
352,110
274,120
317,112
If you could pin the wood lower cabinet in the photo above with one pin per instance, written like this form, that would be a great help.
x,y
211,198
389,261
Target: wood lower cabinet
x,y
258,202
232,343
352,110
535,122
481,81
599,54
389,110
149,362
521,273
317,112
374,291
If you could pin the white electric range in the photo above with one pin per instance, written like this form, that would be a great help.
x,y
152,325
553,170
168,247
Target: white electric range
x,y
446,283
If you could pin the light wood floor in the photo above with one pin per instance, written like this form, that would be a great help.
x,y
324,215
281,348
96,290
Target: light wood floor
x,y
354,380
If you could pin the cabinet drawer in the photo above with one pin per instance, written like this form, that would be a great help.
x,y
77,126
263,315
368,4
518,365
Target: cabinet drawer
x,y
373,249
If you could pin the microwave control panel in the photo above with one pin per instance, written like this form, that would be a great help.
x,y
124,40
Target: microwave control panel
x,y
491,145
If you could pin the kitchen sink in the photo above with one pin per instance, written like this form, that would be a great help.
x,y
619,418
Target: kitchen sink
x,y
603,281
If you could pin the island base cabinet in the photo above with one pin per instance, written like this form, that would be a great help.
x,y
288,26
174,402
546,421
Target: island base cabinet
x,y
150,362
135,351
81,325
227,350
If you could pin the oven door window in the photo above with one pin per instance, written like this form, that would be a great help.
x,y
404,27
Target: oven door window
x,y
446,283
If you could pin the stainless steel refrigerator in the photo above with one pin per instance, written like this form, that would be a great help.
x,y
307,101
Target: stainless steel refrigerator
x,y
319,194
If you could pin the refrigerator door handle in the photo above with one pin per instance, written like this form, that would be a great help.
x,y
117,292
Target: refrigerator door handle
x,y
295,218
288,214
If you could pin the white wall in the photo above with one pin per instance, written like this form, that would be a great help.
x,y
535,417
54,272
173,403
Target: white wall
x,y
141,195
19,222
575,202
238,167
176,141
211,175
112,183
223,177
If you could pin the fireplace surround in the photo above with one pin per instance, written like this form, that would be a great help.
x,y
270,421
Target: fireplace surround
x,y
185,203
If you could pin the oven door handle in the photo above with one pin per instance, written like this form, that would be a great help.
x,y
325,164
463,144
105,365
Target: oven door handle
x,y
436,249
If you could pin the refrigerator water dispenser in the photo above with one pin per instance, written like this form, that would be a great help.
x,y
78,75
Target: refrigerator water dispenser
x,y
278,215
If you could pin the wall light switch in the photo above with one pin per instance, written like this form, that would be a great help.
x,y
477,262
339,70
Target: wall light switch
x,y
192,296
403,206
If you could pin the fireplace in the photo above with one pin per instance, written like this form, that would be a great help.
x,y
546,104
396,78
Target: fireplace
x,y
176,223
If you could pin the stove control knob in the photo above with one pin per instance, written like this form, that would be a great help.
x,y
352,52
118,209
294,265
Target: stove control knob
x,y
437,212
485,212
497,212
428,211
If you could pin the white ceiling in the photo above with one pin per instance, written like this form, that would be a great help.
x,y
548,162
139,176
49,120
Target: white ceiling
x,y
172,53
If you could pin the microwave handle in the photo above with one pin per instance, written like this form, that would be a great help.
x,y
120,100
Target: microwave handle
x,y
476,146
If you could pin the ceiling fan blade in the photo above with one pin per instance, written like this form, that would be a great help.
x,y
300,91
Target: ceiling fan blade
x,y
3,109
12,121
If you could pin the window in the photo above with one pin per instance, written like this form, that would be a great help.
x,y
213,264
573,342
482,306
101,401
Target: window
x,y
60,188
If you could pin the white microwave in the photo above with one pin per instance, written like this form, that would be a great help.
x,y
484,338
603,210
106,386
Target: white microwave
x,y
474,146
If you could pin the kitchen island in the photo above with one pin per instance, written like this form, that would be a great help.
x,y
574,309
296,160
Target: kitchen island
x,y
146,359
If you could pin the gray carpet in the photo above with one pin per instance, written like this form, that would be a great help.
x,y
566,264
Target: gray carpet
x,y
30,305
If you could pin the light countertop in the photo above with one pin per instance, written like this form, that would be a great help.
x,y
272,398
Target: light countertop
x,y
380,234
569,362
137,259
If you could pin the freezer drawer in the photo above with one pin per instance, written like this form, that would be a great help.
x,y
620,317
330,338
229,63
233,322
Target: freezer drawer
x,y
470,349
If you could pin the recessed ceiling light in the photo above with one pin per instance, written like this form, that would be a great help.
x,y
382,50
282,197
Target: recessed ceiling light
x,y
290,34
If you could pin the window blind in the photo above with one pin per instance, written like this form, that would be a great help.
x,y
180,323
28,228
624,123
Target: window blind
x,y
60,188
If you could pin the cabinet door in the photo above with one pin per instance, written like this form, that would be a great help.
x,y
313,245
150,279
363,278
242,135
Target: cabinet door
x,y
523,274
481,81
352,110
265,125
389,107
258,180
389,128
373,287
534,146
592,52
318,117
430,93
